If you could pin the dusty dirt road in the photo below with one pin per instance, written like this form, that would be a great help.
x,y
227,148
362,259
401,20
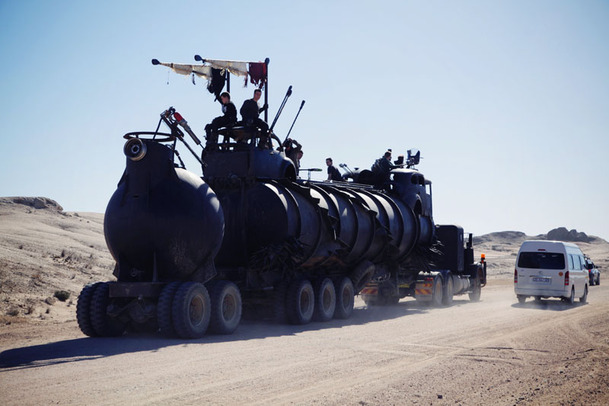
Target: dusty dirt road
x,y
491,352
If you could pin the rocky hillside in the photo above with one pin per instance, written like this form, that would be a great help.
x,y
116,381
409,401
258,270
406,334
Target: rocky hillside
x,y
46,255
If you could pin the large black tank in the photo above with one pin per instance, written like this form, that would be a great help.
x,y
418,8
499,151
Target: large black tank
x,y
336,226
162,223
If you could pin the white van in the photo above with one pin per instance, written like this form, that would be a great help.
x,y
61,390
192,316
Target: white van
x,y
550,269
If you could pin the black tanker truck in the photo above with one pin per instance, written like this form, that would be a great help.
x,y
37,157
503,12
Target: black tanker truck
x,y
192,253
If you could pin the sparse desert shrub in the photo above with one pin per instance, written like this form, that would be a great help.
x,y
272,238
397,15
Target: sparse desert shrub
x,y
62,295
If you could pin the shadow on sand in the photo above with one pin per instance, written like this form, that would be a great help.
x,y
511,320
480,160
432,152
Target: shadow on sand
x,y
88,348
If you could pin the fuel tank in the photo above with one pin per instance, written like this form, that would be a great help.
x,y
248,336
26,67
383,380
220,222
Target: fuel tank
x,y
162,223
317,225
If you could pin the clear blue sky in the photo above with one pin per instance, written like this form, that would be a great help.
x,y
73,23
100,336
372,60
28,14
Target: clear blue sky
x,y
507,100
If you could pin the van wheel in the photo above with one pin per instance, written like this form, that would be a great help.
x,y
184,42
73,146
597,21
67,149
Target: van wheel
x,y
571,299
521,299
584,298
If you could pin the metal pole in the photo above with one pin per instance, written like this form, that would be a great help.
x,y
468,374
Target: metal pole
x,y
266,89
285,99
301,104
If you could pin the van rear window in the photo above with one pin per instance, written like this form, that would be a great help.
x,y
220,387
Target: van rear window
x,y
541,260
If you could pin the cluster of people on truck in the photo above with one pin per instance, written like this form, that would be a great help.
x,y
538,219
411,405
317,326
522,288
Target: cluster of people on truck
x,y
250,114
250,117
379,171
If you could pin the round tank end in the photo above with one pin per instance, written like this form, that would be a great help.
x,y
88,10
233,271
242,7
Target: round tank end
x,y
135,149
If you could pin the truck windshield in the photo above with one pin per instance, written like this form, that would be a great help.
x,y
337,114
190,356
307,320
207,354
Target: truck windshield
x,y
541,260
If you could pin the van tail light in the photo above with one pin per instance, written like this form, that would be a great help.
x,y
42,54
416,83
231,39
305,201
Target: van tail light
x,y
515,275
567,278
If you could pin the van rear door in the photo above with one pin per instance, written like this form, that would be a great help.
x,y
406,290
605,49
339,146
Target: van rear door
x,y
541,270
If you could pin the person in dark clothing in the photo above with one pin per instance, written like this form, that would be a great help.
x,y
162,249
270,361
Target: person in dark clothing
x,y
381,169
227,120
333,173
250,113
293,151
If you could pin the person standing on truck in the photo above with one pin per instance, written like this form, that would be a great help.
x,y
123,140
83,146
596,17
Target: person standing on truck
x,y
228,119
381,169
333,173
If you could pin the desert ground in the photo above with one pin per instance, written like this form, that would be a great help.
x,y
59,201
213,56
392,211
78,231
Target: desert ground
x,y
495,351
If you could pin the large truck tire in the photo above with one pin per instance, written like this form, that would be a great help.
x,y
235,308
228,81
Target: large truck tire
x,y
226,307
164,309
474,295
448,294
345,298
325,300
104,325
437,290
191,310
83,310
300,302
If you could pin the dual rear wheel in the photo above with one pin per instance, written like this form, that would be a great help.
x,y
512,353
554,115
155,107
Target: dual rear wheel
x,y
92,312
188,309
